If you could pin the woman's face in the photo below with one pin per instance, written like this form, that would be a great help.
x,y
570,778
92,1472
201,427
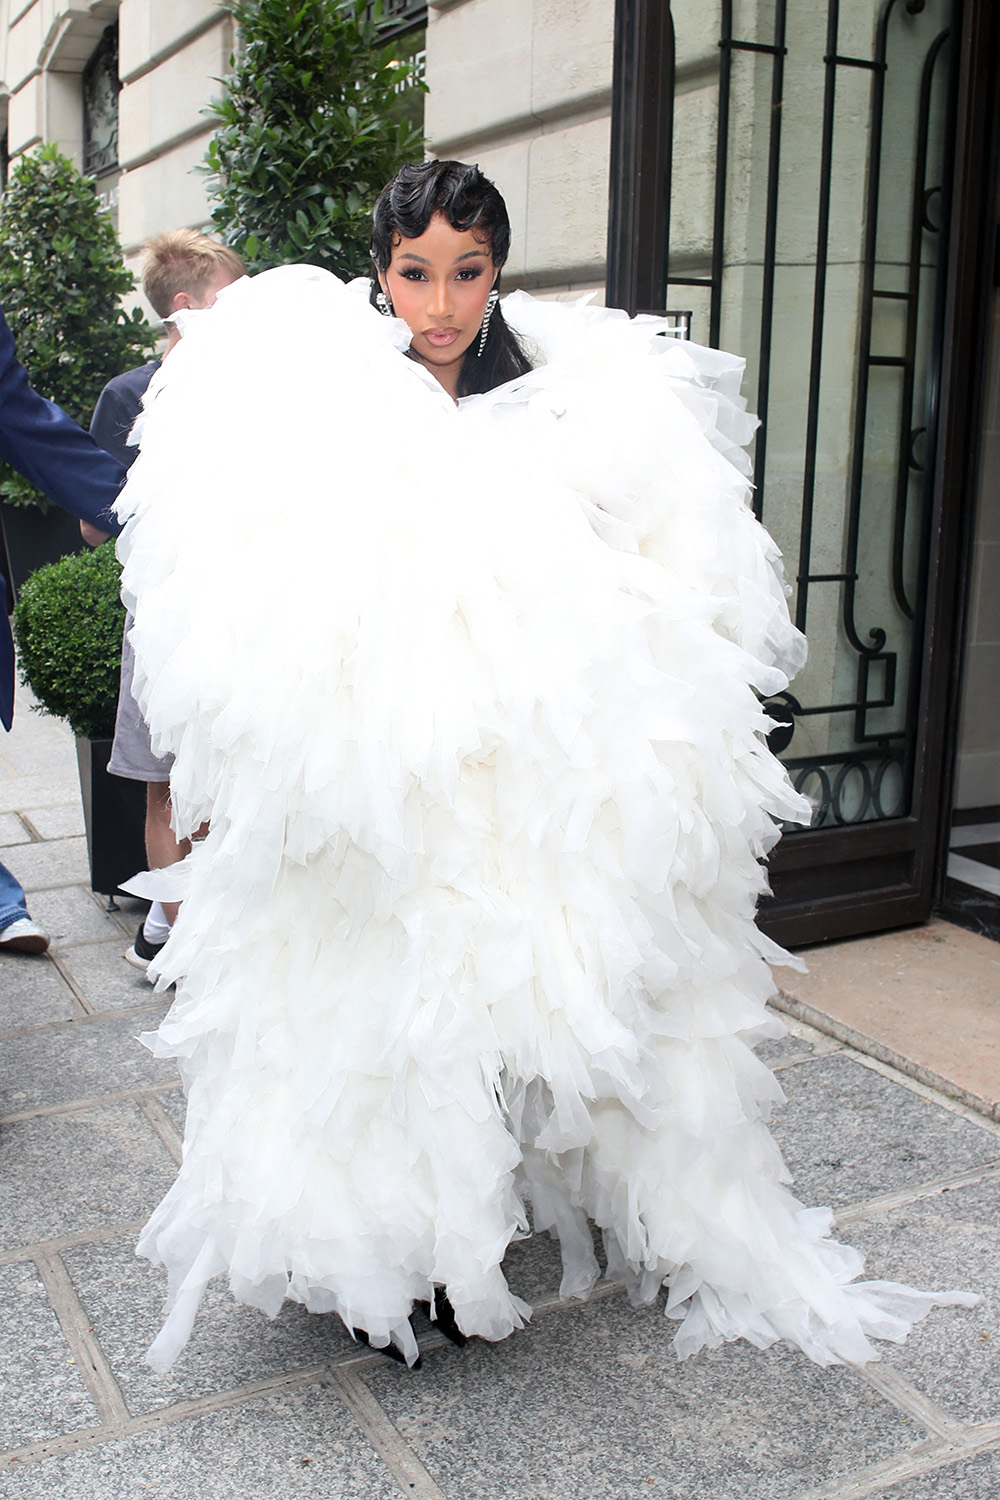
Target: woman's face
x,y
438,284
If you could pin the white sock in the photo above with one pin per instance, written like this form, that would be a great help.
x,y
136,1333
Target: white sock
x,y
156,928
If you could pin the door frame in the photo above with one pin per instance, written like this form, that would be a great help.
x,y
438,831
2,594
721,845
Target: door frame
x,y
841,881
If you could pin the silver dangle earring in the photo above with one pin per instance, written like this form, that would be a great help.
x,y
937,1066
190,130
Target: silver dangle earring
x,y
384,305
491,303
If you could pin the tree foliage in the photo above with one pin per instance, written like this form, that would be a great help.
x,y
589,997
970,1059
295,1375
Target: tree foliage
x,y
61,281
311,127
68,626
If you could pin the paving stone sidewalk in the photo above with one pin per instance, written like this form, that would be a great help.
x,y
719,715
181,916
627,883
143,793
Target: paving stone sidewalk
x,y
589,1401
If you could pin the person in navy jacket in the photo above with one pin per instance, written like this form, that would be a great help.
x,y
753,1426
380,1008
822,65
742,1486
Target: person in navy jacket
x,y
45,445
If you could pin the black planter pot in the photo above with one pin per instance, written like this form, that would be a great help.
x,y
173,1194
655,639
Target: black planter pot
x,y
32,539
114,811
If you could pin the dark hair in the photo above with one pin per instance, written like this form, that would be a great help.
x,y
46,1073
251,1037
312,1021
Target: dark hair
x,y
469,201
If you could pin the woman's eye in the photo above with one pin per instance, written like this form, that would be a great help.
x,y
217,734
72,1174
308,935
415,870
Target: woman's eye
x,y
470,273
412,274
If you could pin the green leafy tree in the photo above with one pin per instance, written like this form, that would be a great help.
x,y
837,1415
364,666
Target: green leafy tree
x,y
61,281
312,124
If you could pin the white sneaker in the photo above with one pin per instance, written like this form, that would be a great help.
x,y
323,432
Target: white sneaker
x,y
23,936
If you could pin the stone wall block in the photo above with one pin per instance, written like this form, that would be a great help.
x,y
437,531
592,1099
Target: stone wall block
x,y
163,104
24,47
982,673
63,113
164,193
479,69
153,28
568,198
986,595
988,502
572,51
978,783
25,116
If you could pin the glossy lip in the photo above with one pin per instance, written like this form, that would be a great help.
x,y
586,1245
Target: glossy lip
x,y
441,337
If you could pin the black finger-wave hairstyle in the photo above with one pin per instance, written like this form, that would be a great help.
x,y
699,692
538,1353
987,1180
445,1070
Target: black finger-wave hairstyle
x,y
469,201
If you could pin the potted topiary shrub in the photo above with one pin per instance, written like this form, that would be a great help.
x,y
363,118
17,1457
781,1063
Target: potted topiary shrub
x,y
68,627
61,282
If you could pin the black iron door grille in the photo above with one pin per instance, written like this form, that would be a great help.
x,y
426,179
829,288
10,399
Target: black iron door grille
x,y
789,179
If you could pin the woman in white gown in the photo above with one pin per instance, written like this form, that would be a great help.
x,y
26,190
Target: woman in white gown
x,y
468,692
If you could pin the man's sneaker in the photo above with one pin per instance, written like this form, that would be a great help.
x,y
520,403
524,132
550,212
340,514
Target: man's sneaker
x,y
142,951
23,936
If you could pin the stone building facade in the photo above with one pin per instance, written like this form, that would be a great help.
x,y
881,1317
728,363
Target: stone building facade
x,y
167,58
540,125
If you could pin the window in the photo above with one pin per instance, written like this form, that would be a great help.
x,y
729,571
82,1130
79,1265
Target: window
x,y
101,87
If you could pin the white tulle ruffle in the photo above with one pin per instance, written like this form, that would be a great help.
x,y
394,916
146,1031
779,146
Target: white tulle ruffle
x,y
469,697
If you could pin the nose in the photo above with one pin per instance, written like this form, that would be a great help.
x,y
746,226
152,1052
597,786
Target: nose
x,y
440,303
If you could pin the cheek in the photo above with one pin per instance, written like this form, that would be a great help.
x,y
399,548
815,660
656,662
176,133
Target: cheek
x,y
405,295
476,294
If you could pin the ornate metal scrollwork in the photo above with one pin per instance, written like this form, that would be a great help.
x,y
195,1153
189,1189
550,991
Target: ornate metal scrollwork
x,y
853,789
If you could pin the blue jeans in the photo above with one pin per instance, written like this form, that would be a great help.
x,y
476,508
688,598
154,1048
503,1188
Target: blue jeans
x,y
12,903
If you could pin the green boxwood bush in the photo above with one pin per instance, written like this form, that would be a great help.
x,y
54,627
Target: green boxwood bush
x,y
68,627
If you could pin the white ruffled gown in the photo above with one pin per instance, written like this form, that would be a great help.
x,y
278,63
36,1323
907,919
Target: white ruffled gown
x,y
470,699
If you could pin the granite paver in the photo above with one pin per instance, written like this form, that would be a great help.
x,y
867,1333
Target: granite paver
x,y
23,793
63,1173
81,1060
593,1401
42,1393
61,822
174,1104
301,1445
948,1240
231,1344
54,863
12,831
799,1042
103,977
72,915
975,1478
848,1133
31,993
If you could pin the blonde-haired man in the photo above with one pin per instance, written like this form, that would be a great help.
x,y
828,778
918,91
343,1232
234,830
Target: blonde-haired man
x,y
181,270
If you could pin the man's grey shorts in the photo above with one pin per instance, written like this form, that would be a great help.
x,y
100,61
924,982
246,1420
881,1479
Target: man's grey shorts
x,y
131,753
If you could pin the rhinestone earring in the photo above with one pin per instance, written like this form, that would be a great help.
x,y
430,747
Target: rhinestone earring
x,y
384,305
491,303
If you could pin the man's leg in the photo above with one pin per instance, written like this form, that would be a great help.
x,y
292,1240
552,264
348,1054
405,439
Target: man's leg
x,y
17,931
162,849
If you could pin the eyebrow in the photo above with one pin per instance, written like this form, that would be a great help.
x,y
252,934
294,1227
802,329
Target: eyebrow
x,y
423,261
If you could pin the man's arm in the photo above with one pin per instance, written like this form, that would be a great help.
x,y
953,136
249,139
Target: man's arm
x,y
41,442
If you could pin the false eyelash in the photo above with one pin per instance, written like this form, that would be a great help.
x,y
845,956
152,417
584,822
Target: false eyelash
x,y
468,273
